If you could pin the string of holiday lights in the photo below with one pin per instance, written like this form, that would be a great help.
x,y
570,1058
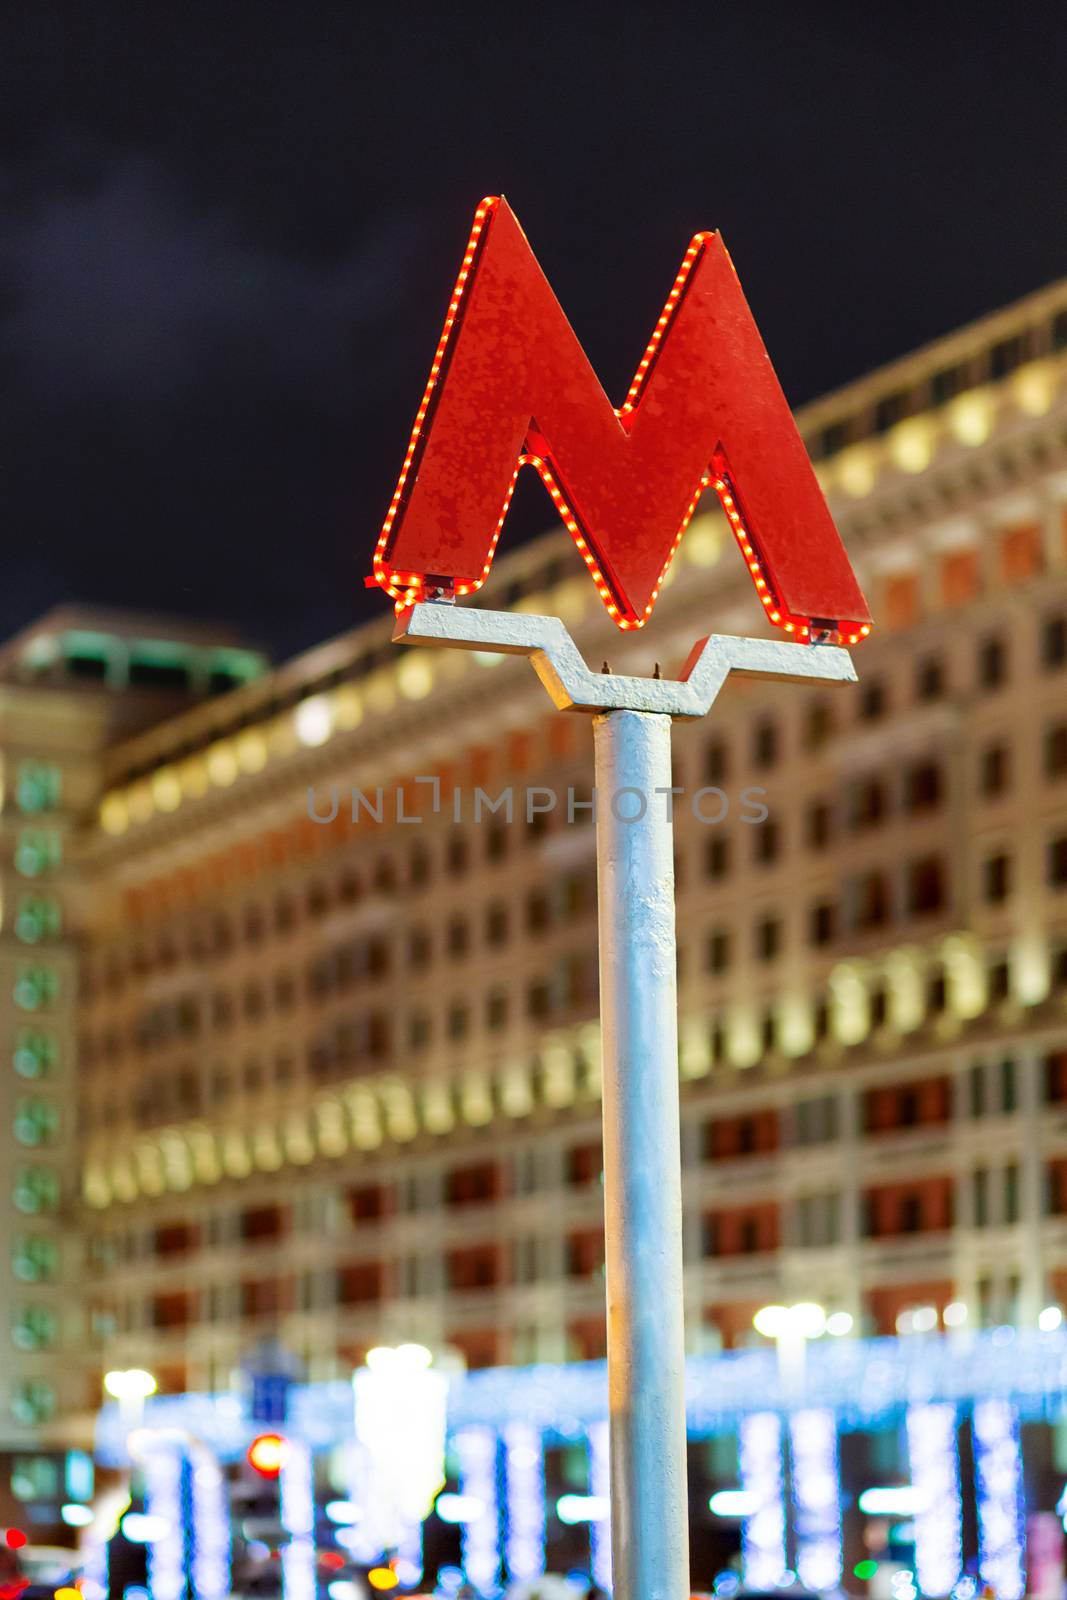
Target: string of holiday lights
x,y
816,1498
763,1549
934,1459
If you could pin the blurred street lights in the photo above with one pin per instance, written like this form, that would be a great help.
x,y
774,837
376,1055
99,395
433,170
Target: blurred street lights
x,y
400,1401
791,1327
131,1387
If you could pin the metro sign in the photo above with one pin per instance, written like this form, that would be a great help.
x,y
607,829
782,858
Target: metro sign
x,y
511,386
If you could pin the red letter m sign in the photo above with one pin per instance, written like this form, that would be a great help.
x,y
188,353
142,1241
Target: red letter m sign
x,y
511,385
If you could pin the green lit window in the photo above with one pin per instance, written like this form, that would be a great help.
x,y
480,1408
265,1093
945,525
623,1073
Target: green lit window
x,y
36,1191
32,1402
36,1122
35,988
35,1054
38,917
35,1259
38,785
35,1478
38,850
34,1328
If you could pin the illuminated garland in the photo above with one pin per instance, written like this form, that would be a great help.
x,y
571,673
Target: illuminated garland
x,y
935,1472
524,1507
600,1530
816,1498
763,1551
1001,1523
477,1450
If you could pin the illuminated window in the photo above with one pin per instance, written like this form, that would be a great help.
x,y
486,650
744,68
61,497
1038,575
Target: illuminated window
x,y
38,786
36,1122
36,1191
35,1259
35,1055
37,850
900,601
33,1401
35,988
1021,554
38,917
959,577
34,1328
35,1478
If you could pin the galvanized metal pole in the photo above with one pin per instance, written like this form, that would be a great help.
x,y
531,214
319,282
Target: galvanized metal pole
x,y
642,1156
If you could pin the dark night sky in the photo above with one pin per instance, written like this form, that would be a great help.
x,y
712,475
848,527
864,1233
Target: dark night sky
x,y
230,233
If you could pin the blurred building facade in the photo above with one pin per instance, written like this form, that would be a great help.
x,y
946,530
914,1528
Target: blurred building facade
x,y
335,1052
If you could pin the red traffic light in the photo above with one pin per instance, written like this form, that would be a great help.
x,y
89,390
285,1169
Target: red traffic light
x,y
265,1454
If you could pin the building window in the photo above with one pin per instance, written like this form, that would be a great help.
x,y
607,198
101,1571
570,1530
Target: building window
x,y
765,743
716,763
992,662
823,922
996,879
36,1191
873,900
926,886
874,701
1009,1090
922,786
1056,867
994,770
496,1010
766,843
718,950
768,938
1056,750
458,937
1054,642
457,856
999,982
819,724
458,1017
930,678
717,857
496,923
867,803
